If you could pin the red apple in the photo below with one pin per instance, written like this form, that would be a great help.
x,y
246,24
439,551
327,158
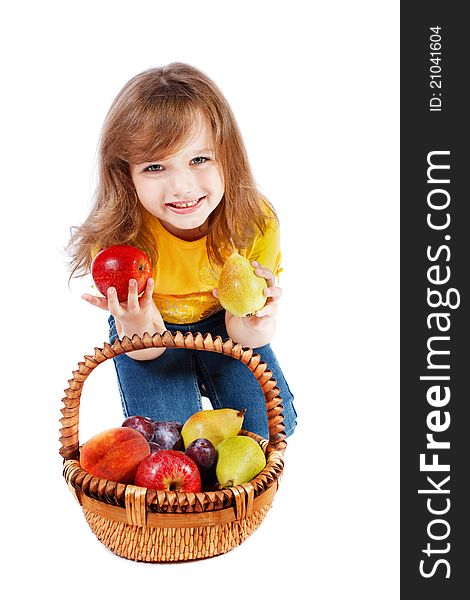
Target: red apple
x,y
114,266
114,454
168,470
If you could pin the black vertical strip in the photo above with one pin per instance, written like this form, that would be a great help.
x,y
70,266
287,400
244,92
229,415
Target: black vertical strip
x,y
435,331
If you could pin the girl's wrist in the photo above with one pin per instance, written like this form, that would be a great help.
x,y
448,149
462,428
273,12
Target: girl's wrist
x,y
129,328
242,329
156,325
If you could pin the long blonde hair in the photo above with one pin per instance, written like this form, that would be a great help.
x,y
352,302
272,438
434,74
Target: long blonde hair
x,y
152,116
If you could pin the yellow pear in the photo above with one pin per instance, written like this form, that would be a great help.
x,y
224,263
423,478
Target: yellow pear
x,y
213,425
240,459
240,290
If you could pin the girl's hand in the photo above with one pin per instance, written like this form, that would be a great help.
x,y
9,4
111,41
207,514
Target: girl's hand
x,y
137,315
272,293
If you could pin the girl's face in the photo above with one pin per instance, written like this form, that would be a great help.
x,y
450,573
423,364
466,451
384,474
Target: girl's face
x,y
182,190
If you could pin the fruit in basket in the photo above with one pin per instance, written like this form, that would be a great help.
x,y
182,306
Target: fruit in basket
x,y
240,290
114,454
214,425
140,424
167,435
209,480
114,266
240,460
203,452
169,470
177,424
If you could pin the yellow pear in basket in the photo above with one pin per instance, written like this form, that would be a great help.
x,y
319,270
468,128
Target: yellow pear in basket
x,y
213,425
240,290
240,459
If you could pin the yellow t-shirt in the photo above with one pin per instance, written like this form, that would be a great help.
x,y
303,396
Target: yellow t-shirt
x,y
184,278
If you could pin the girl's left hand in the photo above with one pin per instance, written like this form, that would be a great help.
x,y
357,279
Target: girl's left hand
x,y
272,293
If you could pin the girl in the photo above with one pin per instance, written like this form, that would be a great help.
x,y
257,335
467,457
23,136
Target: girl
x,y
174,180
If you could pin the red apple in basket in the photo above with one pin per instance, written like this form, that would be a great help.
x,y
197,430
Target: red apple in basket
x,y
114,266
168,470
114,454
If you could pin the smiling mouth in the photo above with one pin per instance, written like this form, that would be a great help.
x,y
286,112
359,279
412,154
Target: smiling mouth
x,y
187,204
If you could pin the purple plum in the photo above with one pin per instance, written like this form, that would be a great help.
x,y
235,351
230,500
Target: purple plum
x,y
140,424
203,452
167,435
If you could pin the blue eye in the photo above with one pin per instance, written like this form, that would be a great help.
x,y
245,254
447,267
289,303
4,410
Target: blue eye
x,y
200,160
154,168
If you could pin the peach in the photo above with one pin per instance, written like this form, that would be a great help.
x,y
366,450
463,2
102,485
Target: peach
x,y
114,454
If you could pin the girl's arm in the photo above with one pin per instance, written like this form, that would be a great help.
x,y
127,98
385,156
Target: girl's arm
x,y
136,316
259,329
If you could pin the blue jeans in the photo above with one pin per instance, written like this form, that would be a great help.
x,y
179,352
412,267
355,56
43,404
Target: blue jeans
x,y
169,387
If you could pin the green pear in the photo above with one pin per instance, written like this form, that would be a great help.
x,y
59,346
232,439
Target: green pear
x,y
240,459
213,425
240,290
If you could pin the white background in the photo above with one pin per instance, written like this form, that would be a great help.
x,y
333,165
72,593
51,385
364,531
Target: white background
x,y
314,87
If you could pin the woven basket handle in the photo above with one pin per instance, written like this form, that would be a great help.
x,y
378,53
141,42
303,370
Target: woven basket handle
x,y
71,401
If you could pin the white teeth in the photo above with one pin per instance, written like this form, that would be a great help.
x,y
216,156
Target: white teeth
x,y
184,204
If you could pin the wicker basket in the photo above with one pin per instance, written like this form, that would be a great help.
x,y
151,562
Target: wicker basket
x,y
158,526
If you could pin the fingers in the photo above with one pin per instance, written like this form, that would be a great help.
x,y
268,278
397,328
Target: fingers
x,y
147,297
264,272
113,303
96,301
272,298
260,319
132,297
130,310
273,292
134,303
268,310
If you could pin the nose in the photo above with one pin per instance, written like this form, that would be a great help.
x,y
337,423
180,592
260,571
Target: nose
x,y
181,184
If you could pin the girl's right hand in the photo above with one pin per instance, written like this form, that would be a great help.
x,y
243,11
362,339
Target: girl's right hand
x,y
137,315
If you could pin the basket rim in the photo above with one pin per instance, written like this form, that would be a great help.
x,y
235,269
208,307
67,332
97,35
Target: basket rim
x,y
193,341
113,493
212,518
